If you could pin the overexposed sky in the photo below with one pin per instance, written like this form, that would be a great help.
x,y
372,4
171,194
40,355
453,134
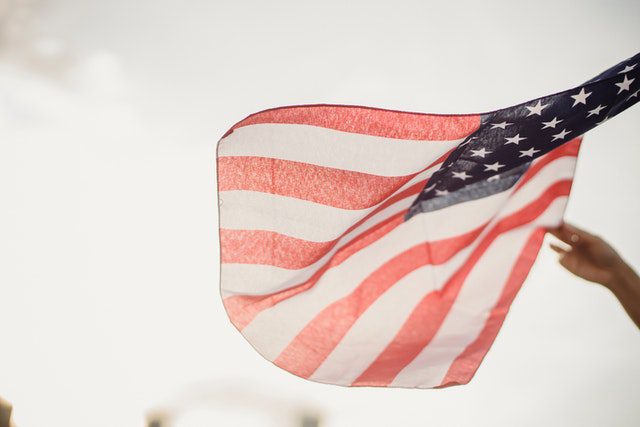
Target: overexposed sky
x,y
109,116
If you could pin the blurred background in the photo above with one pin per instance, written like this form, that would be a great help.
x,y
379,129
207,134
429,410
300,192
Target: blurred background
x,y
109,116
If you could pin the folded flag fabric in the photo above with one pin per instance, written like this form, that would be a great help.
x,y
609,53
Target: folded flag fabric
x,y
369,247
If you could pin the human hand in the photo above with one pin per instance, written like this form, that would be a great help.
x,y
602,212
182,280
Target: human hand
x,y
593,259
588,256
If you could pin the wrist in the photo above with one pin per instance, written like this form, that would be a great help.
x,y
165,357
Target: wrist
x,y
622,278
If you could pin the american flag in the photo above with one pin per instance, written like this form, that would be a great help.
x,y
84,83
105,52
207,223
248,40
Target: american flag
x,y
369,247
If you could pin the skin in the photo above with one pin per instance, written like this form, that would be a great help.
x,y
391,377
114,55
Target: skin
x,y
591,258
5,414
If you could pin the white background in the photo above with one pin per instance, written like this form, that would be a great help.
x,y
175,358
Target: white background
x,y
109,116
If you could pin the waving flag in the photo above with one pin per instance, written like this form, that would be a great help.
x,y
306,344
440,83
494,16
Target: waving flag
x,y
369,247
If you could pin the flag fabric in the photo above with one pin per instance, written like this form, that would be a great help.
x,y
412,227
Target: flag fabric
x,y
369,247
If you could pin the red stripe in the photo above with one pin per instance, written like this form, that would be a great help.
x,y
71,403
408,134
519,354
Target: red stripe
x,y
251,246
272,248
242,309
466,364
320,336
425,320
370,121
329,186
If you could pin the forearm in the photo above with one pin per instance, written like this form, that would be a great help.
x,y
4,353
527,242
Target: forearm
x,y
625,285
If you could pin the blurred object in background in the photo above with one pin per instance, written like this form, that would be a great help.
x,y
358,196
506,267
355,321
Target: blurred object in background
x,y
225,404
308,420
45,80
5,414
21,43
158,419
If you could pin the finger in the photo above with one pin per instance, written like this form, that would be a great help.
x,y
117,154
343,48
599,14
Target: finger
x,y
558,249
572,235
578,234
557,232
564,235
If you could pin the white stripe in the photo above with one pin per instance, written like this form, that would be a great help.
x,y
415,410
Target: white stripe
x,y
333,148
376,328
302,219
454,220
306,220
275,327
254,279
379,323
262,279
481,290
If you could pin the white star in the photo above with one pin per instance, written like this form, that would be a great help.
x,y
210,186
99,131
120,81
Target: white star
x,y
624,84
552,123
493,178
502,125
596,111
493,167
602,121
536,109
530,152
442,192
462,175
580,98
561,135
628,68
634,94
514,139
429,188
480,153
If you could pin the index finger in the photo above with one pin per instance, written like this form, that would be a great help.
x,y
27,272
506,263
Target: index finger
x,y
562,233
